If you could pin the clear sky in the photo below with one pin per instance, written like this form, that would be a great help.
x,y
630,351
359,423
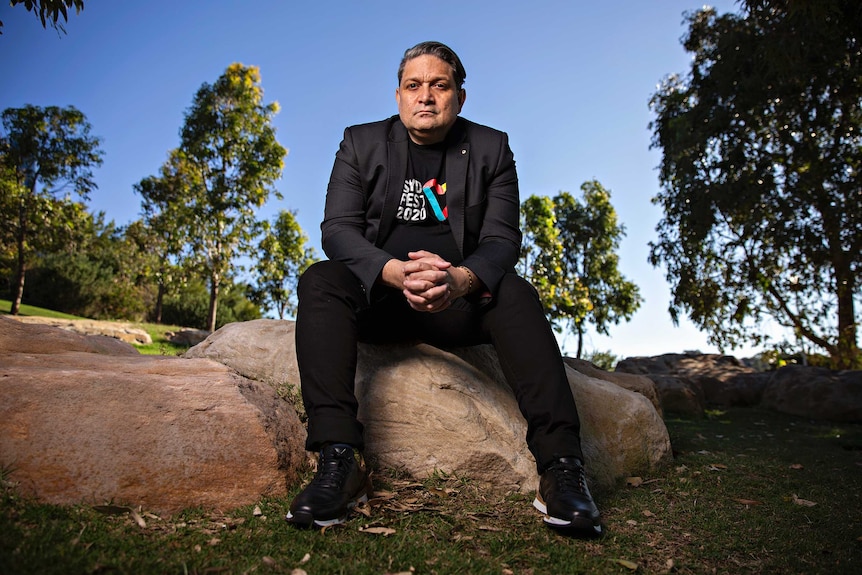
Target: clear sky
x,y
569,81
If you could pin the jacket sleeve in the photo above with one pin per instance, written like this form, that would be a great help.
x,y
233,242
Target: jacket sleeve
x,y
346,221
496,218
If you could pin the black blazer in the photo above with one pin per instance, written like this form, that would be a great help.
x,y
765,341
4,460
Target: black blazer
x,y
481,194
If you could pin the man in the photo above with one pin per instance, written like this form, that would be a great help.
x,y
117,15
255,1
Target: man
x,y
421,231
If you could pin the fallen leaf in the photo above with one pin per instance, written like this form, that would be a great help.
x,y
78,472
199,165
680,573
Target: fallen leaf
x,y
488,528
138,519
632,522
257,512
385,531
748,501
214,541
438,492
626,563
298,571
717,466
797,466
803,502
305,559
634,481
648,513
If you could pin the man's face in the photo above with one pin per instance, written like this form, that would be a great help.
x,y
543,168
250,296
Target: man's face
x,y
428,99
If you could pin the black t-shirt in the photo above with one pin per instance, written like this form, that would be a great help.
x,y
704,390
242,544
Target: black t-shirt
x,y
422,219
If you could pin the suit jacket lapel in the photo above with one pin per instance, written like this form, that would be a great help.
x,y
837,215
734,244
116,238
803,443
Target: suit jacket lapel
x,y
457,160
397,162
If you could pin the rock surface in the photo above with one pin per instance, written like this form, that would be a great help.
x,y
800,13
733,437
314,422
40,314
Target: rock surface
x,y
89,420
121,331
816,392
425,409
687,383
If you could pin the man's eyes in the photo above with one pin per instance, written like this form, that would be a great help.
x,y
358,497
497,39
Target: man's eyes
x,y
437,85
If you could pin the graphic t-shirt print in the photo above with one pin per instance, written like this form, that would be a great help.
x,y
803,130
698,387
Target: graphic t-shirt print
x,y
422,203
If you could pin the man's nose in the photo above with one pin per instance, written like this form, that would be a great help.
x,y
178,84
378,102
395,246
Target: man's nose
x,y
425,93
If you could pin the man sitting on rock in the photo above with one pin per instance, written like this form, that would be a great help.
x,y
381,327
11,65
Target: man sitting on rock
x,y
421,231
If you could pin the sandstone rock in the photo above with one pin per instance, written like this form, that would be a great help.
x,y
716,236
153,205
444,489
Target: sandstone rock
x,y
815,392
21,337
78,424
719,380
426,409
117,330
637,383
189,337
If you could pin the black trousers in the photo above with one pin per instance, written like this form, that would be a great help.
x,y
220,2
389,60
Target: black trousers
x,y
334,315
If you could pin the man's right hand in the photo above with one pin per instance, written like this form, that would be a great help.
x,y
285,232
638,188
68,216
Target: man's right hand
x,y
428,282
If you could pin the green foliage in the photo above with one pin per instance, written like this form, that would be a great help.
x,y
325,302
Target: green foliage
x,y
49,147
230,160
569,254
188,306
49,11
760,174
282,256
605,360
96,274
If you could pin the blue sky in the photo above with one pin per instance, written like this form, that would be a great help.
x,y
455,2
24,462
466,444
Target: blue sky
x,y
570,82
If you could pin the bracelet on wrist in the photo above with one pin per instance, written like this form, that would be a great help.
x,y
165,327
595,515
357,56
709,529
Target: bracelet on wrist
x,y
469,278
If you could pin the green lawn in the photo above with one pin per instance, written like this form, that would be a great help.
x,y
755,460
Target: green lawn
x,y
749,491
29,310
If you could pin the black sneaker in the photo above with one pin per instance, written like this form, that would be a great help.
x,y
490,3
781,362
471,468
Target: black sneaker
x,y
565,499
340,483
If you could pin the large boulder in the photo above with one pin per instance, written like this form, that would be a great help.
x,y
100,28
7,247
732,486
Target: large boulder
x,y
122,331
637,383
815,392
87,419
427,409
690,382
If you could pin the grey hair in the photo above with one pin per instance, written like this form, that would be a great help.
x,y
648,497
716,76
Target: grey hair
x,y
439,50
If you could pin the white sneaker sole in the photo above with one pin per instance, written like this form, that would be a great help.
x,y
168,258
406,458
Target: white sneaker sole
x,y
337,520
562,524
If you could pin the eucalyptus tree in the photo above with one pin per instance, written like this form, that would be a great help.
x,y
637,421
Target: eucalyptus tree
x,y
570,256
229,148
760,170
46,156
281,258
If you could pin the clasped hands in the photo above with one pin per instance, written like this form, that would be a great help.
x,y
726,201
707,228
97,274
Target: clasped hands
x,y
429,283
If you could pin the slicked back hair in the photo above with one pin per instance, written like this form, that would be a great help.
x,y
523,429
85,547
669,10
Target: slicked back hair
x,y
439,50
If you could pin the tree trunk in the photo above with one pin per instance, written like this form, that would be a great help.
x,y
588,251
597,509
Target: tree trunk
x,y
22,262
848,356
211,316
580,341
160,296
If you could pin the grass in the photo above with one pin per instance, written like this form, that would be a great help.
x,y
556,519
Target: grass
x,y
749,491
29,310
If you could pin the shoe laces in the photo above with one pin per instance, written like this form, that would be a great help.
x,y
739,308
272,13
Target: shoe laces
x,y
333,467
570,476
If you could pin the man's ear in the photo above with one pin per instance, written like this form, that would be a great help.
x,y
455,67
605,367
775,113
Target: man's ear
x,y
462,97
398,96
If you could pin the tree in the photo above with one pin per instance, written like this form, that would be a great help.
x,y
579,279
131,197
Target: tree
x,y
49,11
575,266
282,257
49,146
760,174
164,217
229,147
563,295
